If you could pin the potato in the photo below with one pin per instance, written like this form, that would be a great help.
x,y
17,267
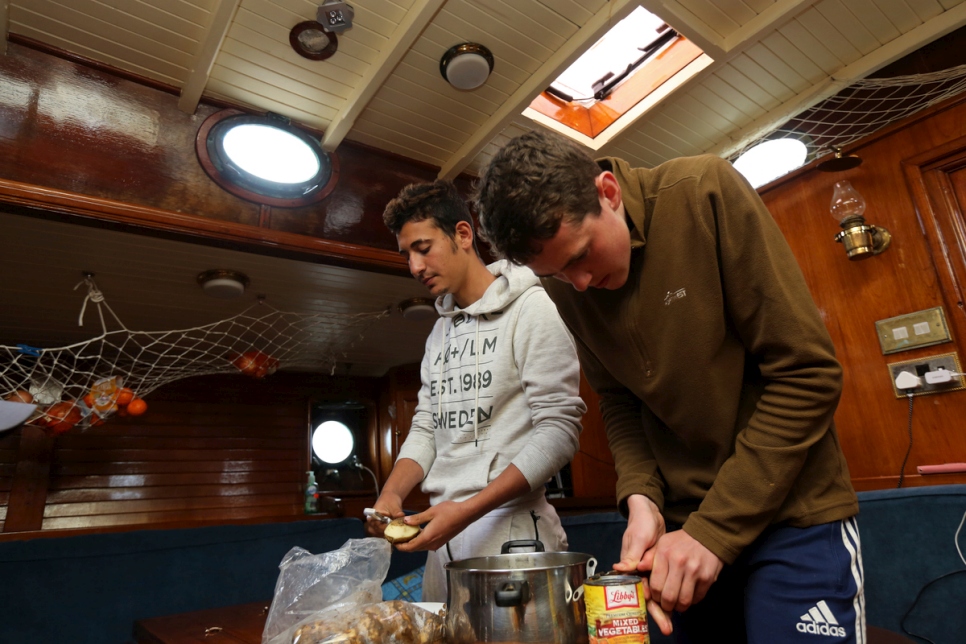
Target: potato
x,y
399,532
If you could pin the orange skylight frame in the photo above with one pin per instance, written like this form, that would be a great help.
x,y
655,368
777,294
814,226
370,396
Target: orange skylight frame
x,y
592,121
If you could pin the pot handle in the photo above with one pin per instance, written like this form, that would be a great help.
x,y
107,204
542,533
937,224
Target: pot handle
x,y
512,593
522,543
575,595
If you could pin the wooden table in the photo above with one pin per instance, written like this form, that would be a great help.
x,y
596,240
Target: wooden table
x,y
243,623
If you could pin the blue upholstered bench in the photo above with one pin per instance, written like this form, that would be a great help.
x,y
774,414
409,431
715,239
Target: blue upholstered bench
x,y
92,588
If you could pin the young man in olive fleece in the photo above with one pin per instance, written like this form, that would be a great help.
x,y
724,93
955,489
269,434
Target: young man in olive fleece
x,y
717,382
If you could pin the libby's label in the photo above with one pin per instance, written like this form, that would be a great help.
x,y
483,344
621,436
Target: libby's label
x,y
621,597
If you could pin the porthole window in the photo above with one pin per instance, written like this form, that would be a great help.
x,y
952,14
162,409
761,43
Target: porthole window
x,y
265,159
332,442
771,159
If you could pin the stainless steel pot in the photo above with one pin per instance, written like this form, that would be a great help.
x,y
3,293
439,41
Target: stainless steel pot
x,y
532,597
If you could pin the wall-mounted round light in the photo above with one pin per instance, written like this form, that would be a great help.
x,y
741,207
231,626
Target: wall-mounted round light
x,y
332,442
265,159
310,40
466,66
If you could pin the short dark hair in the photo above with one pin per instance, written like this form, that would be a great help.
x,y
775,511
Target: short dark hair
x,y
533,183
439,201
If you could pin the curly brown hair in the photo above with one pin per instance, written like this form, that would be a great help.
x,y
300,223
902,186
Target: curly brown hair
x,y
439,201
533,183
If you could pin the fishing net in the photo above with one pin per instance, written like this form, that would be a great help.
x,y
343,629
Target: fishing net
x,y
86,383
861,107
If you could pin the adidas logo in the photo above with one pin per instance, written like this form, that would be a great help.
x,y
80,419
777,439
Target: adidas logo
x,y
819,620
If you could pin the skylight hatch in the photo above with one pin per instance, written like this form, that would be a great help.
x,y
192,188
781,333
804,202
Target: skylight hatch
x,y
625,73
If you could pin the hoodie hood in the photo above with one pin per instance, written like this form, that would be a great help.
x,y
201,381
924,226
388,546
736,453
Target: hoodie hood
x,y
511,281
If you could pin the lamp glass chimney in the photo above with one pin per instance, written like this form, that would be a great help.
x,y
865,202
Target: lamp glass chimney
x,y
846,202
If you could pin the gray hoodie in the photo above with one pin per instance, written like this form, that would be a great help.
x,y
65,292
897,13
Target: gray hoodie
x,y
509,357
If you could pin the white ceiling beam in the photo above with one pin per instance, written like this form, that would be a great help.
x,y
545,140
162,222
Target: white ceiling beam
x,y
194,85
4,25
688,25
769,20
604,19
403,37
892,51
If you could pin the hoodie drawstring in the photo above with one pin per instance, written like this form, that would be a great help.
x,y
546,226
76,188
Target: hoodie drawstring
x,y
475,380
442,359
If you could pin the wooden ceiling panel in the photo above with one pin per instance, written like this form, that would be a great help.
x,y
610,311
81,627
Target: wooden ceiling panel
x,y
774,66
811,47
831,35
776,84
900,13
713,15
849,26
753,89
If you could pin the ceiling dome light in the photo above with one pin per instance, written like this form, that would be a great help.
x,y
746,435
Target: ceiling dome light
x,y
310,40
222,283
466,66
839,161
265,159
418,308
770,160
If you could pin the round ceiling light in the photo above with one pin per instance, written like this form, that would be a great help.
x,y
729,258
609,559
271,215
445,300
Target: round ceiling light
x,y
466,66
418,308
223,284
770,160
310,40
839,161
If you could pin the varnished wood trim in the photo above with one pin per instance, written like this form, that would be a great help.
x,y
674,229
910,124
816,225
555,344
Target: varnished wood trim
x,y
185,225
173,525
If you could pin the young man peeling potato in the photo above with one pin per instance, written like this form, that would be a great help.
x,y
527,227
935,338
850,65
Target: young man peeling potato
x,y
498,412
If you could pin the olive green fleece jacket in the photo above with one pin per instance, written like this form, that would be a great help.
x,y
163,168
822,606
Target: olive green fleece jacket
x,y
716,375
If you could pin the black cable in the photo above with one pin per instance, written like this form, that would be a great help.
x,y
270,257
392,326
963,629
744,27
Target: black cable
x,y
535,517
902,470
902,622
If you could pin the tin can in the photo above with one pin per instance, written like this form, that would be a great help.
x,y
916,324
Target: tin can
x,y
615,610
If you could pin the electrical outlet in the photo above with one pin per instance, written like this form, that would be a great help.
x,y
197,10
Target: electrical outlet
x,y
920,367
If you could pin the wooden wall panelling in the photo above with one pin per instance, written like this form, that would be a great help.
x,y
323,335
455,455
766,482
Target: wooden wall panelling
x,y
215,449
592,469
28,490
9,448
404,384
851,296
138,168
